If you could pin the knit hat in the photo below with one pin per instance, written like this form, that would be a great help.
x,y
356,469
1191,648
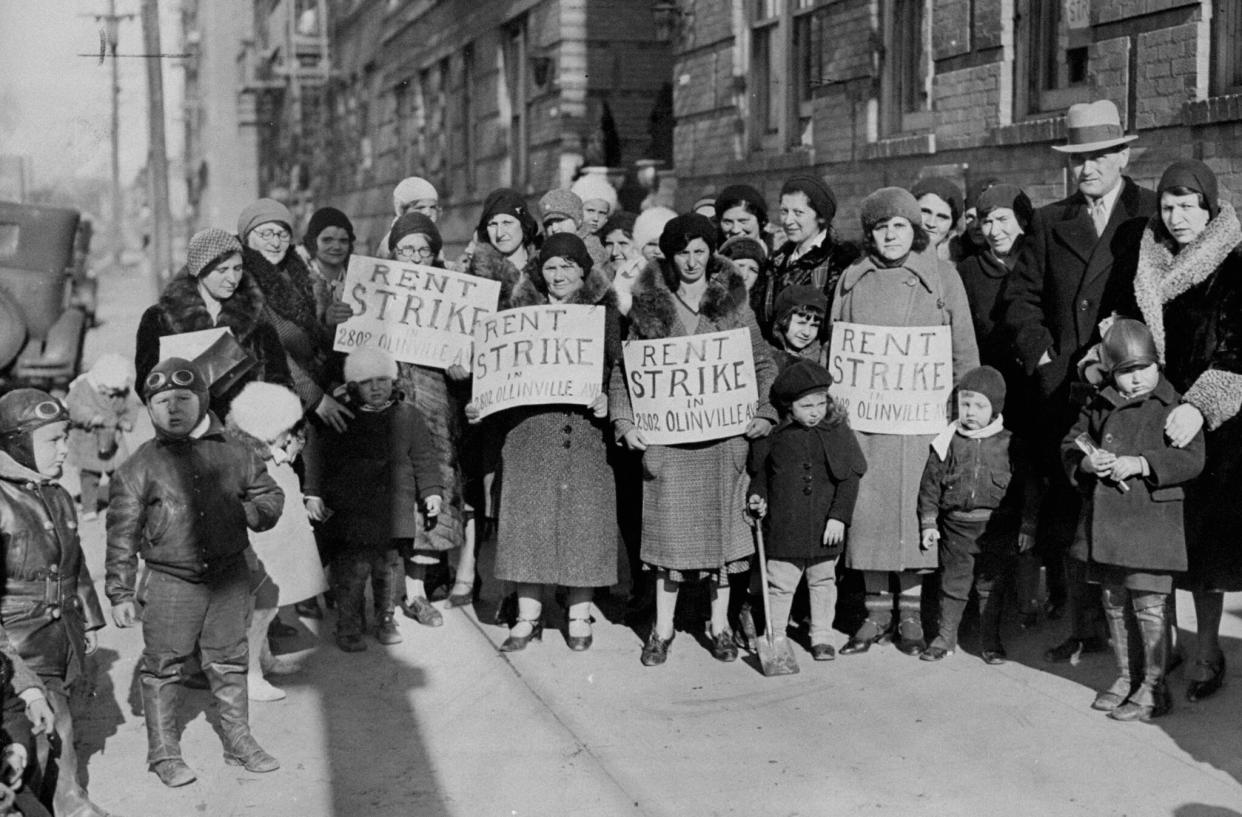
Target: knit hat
x,y
22,412
1006,196
946,189
800,378
650,224
506,202
411,223
367,363
706,199
889,202
111,371
679,232
986,381
206,249
177,373
799,296
622,221
262,212
595,188
736,194
568,246
820,195
1127,343
322,219
743,246
560,204
265,410
977,188
410,190
1192,175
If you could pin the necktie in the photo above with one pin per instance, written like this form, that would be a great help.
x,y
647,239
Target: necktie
x,y
1099,214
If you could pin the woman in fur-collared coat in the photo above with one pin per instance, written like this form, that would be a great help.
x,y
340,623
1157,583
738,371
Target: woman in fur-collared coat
x,y
558,511
899,282
214,290
693,495
1189,288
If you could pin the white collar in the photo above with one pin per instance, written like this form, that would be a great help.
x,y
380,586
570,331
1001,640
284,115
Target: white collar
x,y
201,428
817,241
1110,198
941,443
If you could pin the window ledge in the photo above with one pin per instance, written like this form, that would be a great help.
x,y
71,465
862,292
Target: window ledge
x,y
915,144
1030,131
1224,108
773,160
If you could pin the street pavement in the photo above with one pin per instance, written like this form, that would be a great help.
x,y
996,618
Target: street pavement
x,y
443,725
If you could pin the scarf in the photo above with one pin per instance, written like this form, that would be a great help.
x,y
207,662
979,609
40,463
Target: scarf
x,y
1164,272
942,441
286,288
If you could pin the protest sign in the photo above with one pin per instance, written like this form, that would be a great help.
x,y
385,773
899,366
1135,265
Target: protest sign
x,y
537,355
692,388
418,314
892,379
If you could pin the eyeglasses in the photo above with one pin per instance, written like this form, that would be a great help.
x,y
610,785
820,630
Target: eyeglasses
x,y
182,377
410,253
269,234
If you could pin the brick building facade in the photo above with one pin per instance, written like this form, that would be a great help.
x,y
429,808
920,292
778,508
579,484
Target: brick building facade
x,y
471,95
878,92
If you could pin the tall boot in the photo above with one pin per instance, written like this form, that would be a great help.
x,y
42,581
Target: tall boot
x,y
876,626
945,642
1152,698
228,686
1114,603
160,697
910,625
69,798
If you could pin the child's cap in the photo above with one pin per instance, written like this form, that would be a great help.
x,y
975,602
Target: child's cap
x,y
560,204
986,381
802,296
111,371
265,410
743,246
800,378
1127,343
365,364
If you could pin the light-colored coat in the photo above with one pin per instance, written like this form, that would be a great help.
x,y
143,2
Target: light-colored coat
x,y
923,292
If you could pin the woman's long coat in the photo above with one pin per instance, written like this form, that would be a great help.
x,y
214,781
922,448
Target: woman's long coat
x,y
1192,301
181,309
694,495
558,503
922,292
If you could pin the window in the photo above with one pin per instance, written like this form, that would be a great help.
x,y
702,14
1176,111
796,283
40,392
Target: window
x,y
766,71
467,114
811,45
788,43
905,81
1051,55
514,95
1227,49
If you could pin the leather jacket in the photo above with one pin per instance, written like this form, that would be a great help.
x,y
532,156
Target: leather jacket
x,y
49,601
185,504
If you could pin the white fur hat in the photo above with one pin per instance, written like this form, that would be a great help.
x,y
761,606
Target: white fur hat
x,y
592,187
265,410
111,371
364,364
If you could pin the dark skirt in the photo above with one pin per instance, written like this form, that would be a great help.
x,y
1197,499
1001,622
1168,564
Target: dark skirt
x,y
1213,516
1129,578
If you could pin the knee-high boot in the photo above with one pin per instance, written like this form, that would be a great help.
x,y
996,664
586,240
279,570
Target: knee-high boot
x,y
1114,604
228,686
1151,699
160,697
69,799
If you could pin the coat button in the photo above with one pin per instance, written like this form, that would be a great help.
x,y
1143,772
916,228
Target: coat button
x,y
807,490
568,428
567,444
1083,304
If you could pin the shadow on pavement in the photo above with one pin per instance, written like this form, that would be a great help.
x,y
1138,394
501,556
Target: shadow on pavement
x,y
96,713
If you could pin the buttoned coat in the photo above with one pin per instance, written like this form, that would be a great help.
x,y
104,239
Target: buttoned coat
x,y
924,291
1142,528
694,495
558,500
1067,278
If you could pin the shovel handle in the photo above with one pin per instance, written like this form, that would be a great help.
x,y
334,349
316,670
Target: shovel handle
x,y
763,578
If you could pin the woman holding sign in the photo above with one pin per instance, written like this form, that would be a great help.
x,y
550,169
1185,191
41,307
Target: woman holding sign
x,y
694,494
558,513
898,284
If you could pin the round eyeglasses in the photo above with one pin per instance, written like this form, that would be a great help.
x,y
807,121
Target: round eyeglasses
x,y
410,253
273,234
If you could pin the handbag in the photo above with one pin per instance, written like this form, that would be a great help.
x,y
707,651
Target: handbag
x,y
224,363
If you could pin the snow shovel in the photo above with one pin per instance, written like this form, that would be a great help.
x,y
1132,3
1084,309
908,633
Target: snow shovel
x,y
776,655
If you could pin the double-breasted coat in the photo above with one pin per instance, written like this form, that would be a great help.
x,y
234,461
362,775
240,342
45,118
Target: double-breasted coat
x,y
1141,528
923,291
558,500
694,495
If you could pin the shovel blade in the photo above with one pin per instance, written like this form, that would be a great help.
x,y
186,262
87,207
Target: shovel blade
x,y
776,657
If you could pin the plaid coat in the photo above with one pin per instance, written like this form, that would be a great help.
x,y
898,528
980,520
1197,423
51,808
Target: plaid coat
x,y
694,495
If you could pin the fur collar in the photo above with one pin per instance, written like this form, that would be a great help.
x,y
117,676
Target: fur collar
x,y
488,262
286,288
185,311
1163,274
654,314
595,290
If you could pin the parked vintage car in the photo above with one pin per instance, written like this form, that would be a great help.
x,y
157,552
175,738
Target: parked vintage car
x,y
42,319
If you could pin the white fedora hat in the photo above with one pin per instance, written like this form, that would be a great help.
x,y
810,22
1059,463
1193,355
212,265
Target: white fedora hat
x,y
1092,126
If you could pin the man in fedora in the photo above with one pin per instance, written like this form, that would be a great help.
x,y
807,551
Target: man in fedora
x,y
1076,268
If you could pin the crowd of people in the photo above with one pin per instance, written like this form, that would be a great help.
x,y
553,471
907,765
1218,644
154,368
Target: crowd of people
x,y
1095,352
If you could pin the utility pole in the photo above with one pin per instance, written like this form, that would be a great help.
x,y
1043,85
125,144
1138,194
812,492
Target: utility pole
x,y
109,33
157,154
